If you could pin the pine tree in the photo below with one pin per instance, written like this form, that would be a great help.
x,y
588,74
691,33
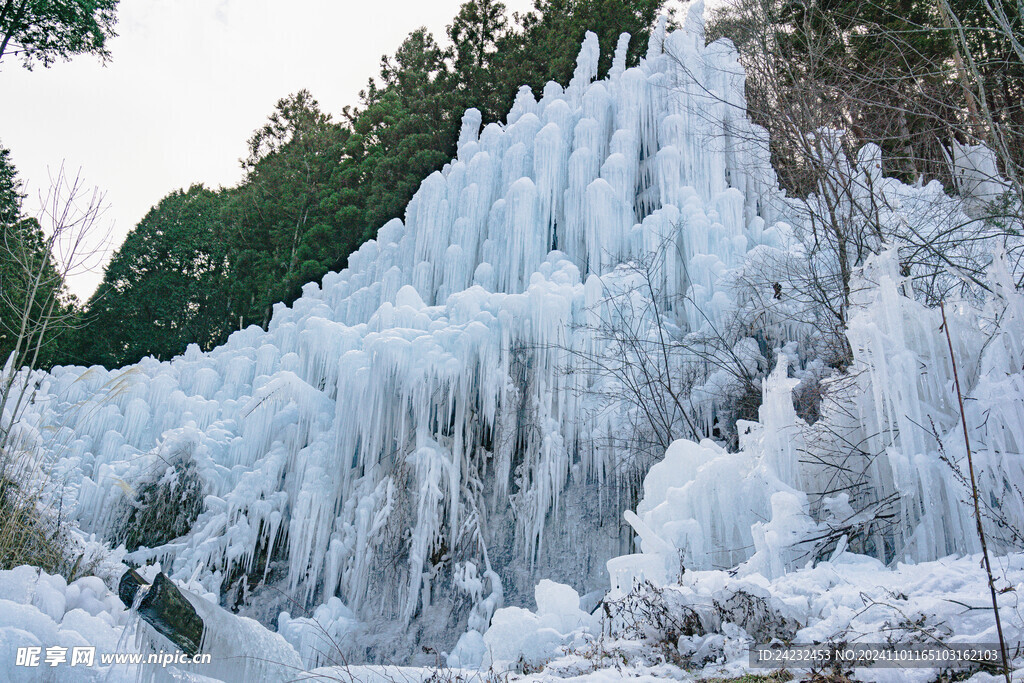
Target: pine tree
x,y
476,33
164,288
279,233
406,130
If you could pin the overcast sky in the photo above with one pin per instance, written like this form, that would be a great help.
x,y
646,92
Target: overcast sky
x,y
188,83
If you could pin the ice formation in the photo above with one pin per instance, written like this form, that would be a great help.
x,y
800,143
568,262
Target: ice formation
x,y
422,428
888,446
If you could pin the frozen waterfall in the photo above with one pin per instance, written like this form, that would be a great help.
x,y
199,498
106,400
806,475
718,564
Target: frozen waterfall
x,y
422,419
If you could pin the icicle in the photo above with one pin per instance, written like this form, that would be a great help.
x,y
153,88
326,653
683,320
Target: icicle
x,y
619,61
469,133
586,67
656,42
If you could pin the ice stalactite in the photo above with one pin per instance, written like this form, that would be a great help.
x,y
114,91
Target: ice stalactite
x,y
889,440
910,418
434,364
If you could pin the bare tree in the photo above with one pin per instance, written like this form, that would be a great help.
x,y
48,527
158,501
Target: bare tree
x,y
989,69
664,380
837,123
70,218
924,86
73,241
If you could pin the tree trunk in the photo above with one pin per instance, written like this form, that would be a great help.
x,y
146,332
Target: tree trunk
x,y
12,28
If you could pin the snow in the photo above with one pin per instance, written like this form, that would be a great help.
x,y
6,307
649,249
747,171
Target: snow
x,y
244,649
849,598
422,437
519,635
43,610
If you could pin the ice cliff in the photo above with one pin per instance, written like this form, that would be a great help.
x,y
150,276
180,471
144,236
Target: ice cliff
x,y
431,430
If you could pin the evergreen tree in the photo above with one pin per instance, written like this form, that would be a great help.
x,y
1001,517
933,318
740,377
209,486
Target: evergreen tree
x,y
31,286
280,229
10,189
164,288
476,33
406,130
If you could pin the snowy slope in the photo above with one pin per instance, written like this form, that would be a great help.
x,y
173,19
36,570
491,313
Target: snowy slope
x,y
849,598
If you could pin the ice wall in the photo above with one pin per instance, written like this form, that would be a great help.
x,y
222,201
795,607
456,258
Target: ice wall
x,y
884,470
908,413
388,426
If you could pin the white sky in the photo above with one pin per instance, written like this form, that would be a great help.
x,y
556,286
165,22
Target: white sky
x,y
188,83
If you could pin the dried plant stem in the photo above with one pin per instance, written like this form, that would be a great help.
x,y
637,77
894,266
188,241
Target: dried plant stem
x,y
974,497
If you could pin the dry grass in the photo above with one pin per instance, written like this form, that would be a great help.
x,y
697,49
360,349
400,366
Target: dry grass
x,y
29,532
773,677
26,536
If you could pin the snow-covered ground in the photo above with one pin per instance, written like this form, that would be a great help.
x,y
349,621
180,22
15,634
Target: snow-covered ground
x,y
848,598
413,454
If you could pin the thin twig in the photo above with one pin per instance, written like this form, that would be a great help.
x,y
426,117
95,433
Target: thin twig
x,y
974,497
